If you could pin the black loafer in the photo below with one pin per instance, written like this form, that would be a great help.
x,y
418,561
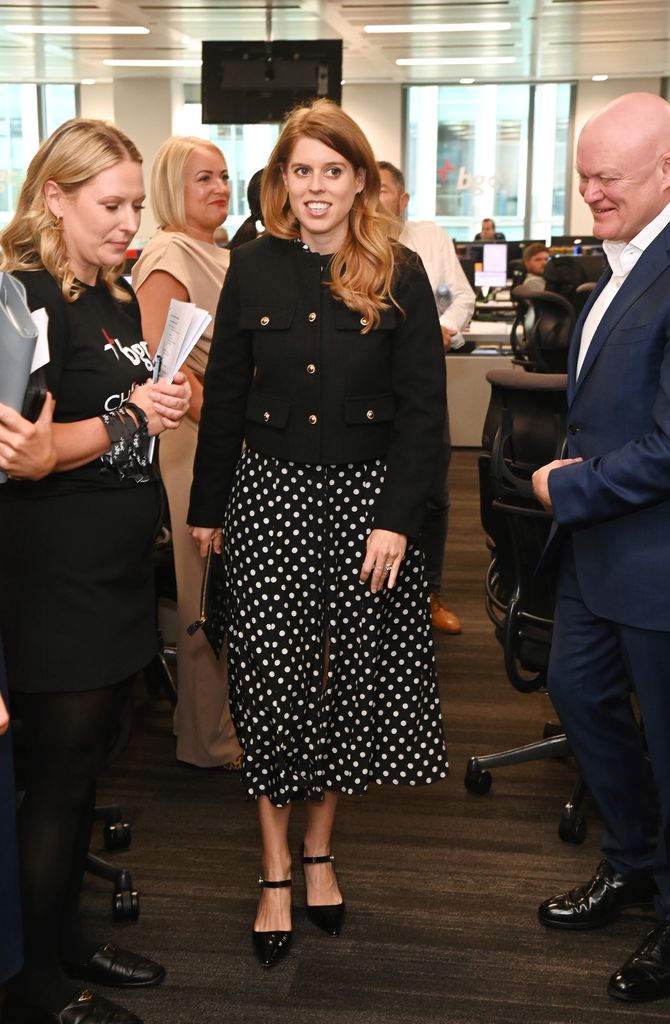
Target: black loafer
x,y
83,1008
599,901
117,968
646,974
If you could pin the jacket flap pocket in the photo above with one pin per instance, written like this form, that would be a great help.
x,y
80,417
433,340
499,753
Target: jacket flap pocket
x,y
268,409
351,320
369,409
629,335
266,318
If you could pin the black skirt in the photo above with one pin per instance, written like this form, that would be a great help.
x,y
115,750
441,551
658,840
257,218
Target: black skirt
x,y
332,687
77,605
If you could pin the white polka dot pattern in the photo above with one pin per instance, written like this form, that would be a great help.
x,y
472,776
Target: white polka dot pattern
x,y
294,546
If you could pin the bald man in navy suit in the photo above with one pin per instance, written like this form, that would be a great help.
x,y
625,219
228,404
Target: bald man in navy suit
x,y
611,537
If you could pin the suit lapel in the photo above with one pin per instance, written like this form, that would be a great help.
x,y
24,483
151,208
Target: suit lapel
x,y
573,354
652,263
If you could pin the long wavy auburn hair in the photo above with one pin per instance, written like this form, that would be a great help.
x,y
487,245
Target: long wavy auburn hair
x,y
71,156
362,271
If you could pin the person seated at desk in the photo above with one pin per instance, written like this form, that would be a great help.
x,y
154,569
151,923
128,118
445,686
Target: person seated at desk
x,y
488,232
535,258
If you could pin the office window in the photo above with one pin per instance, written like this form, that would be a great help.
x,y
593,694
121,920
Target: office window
x,y
24,109
59,104
246,148
551,134
19,138
468,156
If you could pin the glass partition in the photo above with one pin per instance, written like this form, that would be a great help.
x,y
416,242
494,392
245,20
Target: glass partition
x,y
467,157
23,110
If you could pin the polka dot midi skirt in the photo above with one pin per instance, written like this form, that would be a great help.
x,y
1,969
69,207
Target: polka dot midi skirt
x,y
332,687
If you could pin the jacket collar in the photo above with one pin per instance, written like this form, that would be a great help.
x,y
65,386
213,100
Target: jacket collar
x,y
650,265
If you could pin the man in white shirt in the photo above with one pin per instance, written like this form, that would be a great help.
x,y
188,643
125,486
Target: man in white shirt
x,y
455,303
611,537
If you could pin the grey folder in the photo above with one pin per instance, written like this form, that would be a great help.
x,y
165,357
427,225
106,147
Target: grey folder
x,y
18,336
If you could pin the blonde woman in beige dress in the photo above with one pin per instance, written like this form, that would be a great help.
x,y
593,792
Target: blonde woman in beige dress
x,y
190,195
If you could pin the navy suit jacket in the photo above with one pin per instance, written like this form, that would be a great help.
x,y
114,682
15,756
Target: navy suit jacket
x,y
616,504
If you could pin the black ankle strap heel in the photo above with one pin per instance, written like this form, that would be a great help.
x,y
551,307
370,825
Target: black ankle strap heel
x,y
271,947
328,918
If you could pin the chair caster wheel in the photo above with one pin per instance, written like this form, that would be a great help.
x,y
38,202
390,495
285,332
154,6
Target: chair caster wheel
x,y
476,780
572,829
117,835
126,906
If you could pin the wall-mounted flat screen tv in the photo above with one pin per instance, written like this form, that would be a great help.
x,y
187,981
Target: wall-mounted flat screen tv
x,y
256,83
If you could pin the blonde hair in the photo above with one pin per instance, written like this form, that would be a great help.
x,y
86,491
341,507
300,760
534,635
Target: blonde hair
x,y
362,270
167,178
71,156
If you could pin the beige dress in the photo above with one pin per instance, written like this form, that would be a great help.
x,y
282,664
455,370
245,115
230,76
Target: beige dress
x,y
205,732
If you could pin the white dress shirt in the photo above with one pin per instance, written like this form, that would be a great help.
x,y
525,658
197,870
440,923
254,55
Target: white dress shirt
x,y
622,257
442,265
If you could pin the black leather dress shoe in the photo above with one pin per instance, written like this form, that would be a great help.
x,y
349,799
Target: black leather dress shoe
x,y
599,901
83,1008
646,974
118,968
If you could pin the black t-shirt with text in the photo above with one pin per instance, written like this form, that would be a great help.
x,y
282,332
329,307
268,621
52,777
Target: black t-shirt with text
x,y
97,355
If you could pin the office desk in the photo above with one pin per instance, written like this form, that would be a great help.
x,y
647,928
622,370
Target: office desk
x,y
468,394
488,332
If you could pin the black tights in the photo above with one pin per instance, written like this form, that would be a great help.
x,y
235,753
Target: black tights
x,y
65,738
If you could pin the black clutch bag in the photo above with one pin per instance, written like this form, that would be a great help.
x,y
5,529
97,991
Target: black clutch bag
x,y
213,617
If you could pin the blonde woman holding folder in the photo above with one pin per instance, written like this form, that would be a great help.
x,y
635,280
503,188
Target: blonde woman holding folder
x,y
76,586
190,195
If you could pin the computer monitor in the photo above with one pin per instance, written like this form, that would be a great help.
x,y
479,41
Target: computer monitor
x,y
574,242
468,267
493,272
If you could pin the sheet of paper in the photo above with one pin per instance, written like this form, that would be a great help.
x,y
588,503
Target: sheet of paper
x,y
41,354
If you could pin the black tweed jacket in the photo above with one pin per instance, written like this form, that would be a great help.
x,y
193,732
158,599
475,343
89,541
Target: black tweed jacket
x,y
291,373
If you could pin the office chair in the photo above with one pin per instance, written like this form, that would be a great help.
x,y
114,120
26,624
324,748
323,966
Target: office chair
x,y
564,275
160,674
117,833
521,326
524,429
159,679
545,322
516,270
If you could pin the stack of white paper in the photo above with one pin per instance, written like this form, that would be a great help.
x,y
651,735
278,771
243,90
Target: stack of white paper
x,y
183,326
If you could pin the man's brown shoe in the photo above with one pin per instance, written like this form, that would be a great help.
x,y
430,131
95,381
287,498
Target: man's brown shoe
x,y
442,618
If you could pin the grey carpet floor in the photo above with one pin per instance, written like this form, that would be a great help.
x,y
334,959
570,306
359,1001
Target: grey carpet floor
x,y
442,886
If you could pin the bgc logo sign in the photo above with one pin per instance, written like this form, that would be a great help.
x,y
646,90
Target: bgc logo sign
x,y
476,184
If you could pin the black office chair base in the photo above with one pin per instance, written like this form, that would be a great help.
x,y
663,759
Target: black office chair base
x,y
125,899
478,779
117,835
